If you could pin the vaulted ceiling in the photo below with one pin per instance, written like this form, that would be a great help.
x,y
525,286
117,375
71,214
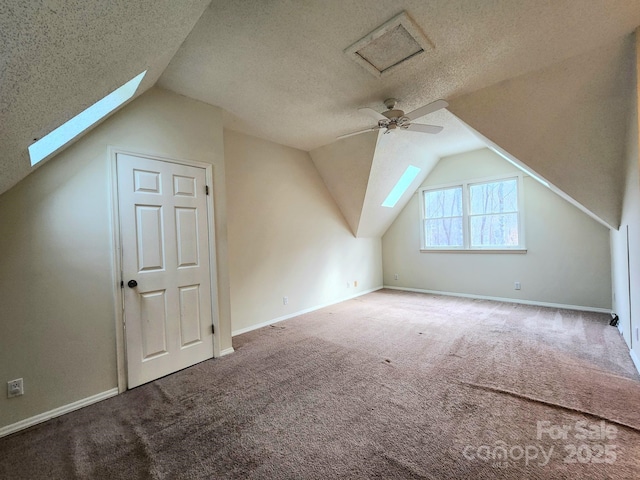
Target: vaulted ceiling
x,y
547,81
58,57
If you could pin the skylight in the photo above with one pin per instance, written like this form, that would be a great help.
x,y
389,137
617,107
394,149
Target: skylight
x,y
78,124
407,177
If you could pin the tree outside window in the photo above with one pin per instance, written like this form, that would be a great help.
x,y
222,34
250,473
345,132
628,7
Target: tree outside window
x,y
493,214
478,215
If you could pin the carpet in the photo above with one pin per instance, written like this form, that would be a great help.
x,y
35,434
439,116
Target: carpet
x,y
390,385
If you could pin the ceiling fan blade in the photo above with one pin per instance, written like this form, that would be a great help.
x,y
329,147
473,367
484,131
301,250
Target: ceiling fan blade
x,y
358,133
427,109
372,113
419,127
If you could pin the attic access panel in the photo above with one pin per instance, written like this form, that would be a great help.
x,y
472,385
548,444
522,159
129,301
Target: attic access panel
x,y
389,45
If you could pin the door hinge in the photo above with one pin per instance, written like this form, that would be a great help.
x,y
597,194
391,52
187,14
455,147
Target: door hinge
x,y
121,283
206,189
213,329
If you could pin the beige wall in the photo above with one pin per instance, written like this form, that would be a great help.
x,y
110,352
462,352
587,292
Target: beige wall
x,y
287,236
626,263
57,284
567,262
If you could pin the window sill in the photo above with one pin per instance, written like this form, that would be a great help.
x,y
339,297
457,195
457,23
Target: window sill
x,y
474,250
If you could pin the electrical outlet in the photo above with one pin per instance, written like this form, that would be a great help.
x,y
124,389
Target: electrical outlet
x,y
355,283
517,285
15,388
285,300
395,277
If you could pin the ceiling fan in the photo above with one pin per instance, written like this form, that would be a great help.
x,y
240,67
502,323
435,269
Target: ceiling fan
x,y
393,119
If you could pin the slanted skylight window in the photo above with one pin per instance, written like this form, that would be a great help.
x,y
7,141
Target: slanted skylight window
x,y
407,177
78,124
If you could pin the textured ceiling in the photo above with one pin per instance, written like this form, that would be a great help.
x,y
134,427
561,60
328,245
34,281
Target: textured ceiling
x,y
278,67
279,70
567,122
360,171
58,57
395,152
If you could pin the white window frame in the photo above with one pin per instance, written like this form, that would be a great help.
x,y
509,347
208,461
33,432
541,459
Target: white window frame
x,y
466,217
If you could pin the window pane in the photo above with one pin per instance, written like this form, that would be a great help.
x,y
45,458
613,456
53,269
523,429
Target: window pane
x,y
443,232
443,203
494,197
494,230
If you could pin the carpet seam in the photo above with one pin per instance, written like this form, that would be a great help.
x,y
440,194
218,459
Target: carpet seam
x,y
551,404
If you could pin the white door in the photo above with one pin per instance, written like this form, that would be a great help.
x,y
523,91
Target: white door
x,y
165,266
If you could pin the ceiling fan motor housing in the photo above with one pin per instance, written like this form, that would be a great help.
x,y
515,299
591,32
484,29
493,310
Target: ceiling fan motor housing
x,y
390,103
391,114
396,119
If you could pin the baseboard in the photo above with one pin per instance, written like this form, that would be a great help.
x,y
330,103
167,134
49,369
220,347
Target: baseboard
x,y
502,299
300,312
226,351
636,360
56,412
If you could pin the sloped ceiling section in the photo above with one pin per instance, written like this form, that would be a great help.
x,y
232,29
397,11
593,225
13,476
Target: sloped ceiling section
x,y
360,171
280,69
566,122
59,57
394,153
345,167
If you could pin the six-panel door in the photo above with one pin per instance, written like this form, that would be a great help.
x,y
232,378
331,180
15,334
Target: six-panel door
x,y
165,250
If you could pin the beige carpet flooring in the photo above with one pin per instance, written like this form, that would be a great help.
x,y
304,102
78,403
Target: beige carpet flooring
x,y
391,385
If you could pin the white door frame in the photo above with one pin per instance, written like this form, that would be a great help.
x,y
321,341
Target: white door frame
x,y
118,296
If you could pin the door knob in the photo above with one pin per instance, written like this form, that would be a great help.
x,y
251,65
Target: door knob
x,y
132,283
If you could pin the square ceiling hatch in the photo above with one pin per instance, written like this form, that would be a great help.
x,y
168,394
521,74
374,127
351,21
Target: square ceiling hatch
x,y
389,45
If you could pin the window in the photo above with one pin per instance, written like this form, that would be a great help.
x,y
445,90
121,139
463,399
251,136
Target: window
x,y
401,186
66,132
443,222
477,215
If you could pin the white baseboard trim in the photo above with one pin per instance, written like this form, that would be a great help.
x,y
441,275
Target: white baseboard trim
x,y
56,412
502,299
636,360
300,312
226,351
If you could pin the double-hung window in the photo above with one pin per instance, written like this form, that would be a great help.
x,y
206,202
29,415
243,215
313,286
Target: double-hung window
x,y
443,222
474,215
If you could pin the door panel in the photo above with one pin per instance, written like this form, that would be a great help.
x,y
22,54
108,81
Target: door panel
x,y
190,315
146,182
153,319
165,249
184,186
187,237
149,234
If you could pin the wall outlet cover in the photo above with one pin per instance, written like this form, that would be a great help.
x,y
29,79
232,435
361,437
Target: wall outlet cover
x,y
15,388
